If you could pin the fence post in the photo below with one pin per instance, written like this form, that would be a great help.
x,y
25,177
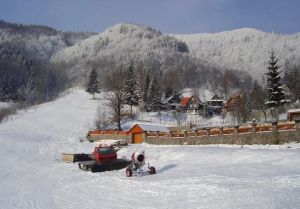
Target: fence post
x,y
207,131
275,132
236,129
274,126
157,135
297,123
196,133
254,127
221,130
185,134
145,136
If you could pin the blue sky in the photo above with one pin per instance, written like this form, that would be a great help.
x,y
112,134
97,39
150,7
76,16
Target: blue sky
x,y
169,16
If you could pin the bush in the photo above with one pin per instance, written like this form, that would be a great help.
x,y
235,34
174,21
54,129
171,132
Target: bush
x,y
5,112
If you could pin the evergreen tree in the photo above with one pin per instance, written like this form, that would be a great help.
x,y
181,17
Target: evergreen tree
x,y
168,92
93,85
29,90
9,90
154,96
276,95
131,89
296,81
292,80
146,92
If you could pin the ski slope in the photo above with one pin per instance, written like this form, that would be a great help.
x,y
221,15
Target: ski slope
x,y
226,176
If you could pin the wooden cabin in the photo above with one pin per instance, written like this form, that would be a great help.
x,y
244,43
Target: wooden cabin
x,y
138,132
234,102
171,103
215,101
191,105
293,115
214,106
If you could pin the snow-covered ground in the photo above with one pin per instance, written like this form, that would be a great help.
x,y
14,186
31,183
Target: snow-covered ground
x,y
217,176
4,105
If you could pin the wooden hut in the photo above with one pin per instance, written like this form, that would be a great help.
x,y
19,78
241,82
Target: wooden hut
x,y
138,131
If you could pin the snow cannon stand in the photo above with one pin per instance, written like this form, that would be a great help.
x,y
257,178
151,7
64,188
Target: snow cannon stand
x,y
137,165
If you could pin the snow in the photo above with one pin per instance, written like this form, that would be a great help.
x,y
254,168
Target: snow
x,y
204,94
243,49
293,110
118,41
169,119
216,176
4,105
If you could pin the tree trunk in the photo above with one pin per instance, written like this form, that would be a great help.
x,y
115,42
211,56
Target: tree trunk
x,y
265,115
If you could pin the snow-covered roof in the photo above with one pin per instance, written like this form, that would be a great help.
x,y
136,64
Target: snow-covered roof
x,y
294,110
216,100
147,127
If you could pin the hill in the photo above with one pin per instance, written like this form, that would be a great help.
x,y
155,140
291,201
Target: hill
x,y
117,45
178,61
34,41
243,49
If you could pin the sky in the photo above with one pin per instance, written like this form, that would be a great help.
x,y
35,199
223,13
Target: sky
x,y
168,16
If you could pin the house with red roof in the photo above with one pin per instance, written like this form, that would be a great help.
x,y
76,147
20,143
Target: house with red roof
x,y
191,105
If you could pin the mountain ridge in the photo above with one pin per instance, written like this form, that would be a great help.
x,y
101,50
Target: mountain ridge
x,y
244,49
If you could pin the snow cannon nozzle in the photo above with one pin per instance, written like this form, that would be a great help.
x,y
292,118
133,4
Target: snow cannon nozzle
x,y
140,158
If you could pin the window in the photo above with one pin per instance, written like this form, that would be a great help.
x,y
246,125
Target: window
x,y
106,151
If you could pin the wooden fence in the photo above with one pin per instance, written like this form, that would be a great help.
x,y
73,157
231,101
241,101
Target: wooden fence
x,y
209,131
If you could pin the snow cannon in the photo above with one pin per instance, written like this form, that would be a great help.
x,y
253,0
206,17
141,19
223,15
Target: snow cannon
x,y
137,165
138,158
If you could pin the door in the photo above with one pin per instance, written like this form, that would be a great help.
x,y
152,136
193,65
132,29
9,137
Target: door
x,y
137,138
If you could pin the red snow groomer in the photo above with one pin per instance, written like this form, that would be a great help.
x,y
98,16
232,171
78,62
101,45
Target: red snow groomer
x,y
103,158
137,165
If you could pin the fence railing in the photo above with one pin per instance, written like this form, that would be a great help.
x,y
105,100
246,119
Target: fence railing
x,y
209,131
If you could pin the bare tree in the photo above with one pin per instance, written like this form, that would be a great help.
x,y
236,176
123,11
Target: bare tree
x,y
238,108
101,121
179,117
114,82
228,81
257,98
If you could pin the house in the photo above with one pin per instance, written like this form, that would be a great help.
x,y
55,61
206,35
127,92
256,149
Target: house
x,y
234,102
191,105
214,106
215,101
171,102
293,115
137,131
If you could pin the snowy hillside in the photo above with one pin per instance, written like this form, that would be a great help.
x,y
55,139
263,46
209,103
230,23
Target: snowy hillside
x,y
243,49
33,175
39,42
118,44
130,39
